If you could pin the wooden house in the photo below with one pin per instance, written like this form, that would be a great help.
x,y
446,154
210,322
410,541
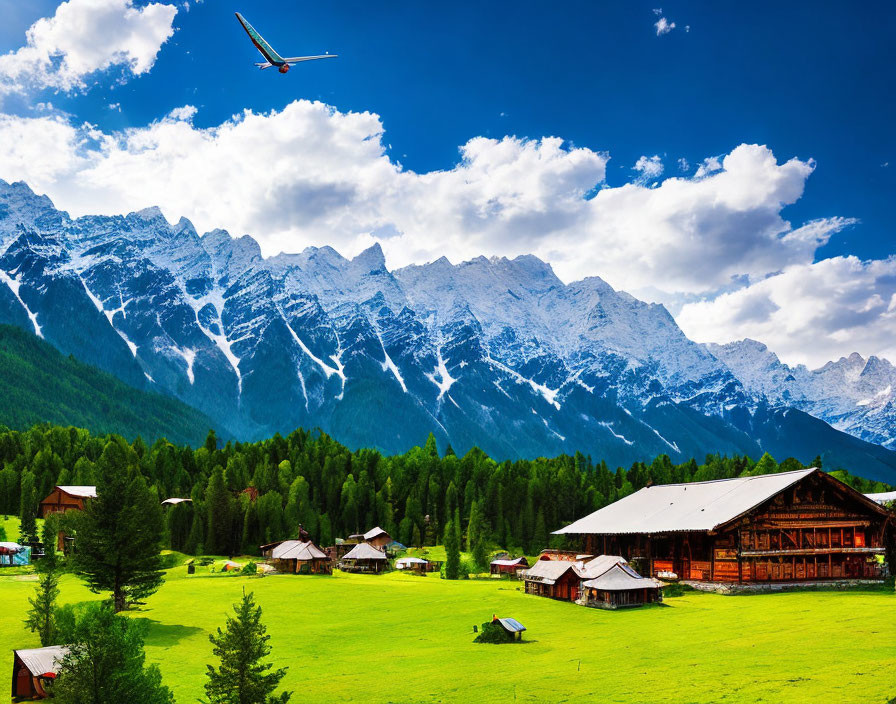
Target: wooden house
x,y
556,579
377,537
798,526
364,558
66,498
298,557
412,564
508,567
619,586
31,669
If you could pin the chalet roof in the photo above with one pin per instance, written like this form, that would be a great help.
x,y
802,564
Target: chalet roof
x,y
42,661
511,625
620,578
375,533
602,563
411,561
549,571
508,563
297,550
84,492
363,551
699,506
883,497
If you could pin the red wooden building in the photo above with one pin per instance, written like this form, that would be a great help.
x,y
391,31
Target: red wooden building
x,y
66,498
788,527
556,579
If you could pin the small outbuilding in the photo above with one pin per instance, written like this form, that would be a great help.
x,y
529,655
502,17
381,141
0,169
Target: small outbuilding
x,y
364,558
500,630
412,564
556,579
299,557
13,554
377,537
506,566
618,587
31,669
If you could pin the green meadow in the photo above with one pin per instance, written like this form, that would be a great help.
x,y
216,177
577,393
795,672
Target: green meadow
x,y
405,638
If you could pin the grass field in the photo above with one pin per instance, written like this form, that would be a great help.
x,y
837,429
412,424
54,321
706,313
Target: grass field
x,y
403,638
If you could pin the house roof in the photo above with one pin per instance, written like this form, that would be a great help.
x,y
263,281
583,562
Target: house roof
x,y
174,500
699,506
511,625
600,564
374,533
508,563
883,497
363,551
411,561
84,492
42,661
297,550
620,578
549,571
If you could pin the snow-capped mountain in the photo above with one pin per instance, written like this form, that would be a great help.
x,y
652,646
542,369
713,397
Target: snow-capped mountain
x,y
853,394
492,352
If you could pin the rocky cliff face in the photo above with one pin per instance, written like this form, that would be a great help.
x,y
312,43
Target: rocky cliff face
x,y
492,352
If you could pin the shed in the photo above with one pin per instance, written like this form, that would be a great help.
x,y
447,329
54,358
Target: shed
x,y
377,537
364,558
508,566
417,564
557,579
511,625
12,554
32,668
620,586
299,557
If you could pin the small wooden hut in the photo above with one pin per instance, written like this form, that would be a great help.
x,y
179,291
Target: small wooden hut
x,y
31,669
66,498
506,566
299,557
412,564
377,537
364,558
618,587
556,579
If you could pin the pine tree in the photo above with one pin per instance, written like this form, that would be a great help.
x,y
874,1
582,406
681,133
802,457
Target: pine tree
x,y
540,536
120,533
452,550
42,614
242,677
105,663
28,508
219,509
49,536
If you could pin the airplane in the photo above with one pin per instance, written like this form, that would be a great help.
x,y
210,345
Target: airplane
x,y
267,51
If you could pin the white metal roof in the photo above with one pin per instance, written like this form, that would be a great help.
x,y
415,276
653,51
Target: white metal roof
x,y
508,563
620,578
42,661
411,561
511,625
374,532
602,563
675,507
85,492
883,497
297,550
174,500
549,571
363,551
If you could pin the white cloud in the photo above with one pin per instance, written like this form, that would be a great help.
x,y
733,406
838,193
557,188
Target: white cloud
x,y
663,26
650,167
683,164
809,313
84,37
710,165
310,175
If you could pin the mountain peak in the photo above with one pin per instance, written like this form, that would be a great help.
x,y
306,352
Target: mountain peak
x,y
371,259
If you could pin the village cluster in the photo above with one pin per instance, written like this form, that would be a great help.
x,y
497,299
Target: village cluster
x,y
789,530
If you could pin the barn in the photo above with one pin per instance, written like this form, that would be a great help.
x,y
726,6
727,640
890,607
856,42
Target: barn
x,y
32,668
800,526
506,566
66,498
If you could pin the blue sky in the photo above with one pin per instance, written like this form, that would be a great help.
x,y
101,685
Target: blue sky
x,y
808,81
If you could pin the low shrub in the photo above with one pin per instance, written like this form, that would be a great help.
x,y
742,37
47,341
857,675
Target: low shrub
x,y
493,633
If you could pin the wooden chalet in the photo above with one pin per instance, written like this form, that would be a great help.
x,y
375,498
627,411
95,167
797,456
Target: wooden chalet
x,y
796,526
32,669
507,566
364,558
298,557
377,537
555,579
66,498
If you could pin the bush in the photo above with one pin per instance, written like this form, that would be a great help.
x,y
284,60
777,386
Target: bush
x,y
676,589
249,568
493,633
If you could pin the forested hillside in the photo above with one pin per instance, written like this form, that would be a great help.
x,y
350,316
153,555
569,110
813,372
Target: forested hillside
x,y
41,385
309,478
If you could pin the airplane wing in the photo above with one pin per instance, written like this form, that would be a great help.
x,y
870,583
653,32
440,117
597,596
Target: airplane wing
x,y
297,59
267,51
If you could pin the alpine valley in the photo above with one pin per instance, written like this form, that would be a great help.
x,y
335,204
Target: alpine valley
x,y
494,353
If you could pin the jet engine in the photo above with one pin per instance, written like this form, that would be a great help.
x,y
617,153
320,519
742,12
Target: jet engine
x,y
284,68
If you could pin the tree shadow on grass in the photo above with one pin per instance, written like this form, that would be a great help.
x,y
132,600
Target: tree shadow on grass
x,y
165,635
